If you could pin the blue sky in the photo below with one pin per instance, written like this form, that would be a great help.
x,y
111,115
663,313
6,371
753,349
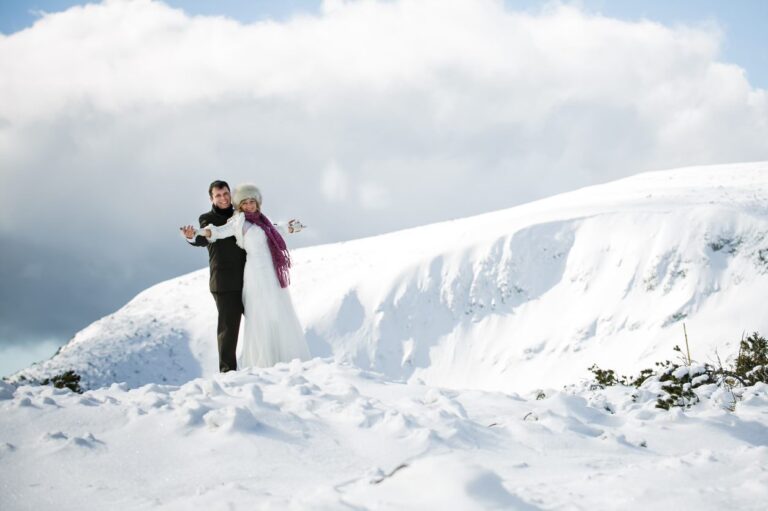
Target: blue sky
x,y
743,21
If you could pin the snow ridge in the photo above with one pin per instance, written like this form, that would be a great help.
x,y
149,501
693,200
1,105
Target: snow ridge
x,y
505,301
447,373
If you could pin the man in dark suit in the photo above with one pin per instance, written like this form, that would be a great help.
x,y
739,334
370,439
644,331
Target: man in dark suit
x,y
226,261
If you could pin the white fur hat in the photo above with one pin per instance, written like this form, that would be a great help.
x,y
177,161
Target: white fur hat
x,y
246,191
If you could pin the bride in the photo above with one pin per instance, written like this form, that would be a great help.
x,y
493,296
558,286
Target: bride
x,y
272,332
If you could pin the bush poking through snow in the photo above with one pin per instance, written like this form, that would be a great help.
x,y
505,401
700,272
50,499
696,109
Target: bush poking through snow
x,y
678,381
607,377
675,382
603,377
68,379
751,364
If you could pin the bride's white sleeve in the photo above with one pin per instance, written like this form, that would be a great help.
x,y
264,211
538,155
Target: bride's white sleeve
x,y
282,228
223,231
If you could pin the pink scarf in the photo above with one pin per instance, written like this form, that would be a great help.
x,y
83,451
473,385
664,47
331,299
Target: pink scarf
x,y
280,257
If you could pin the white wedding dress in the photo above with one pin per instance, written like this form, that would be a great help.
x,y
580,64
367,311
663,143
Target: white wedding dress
x,y
272,332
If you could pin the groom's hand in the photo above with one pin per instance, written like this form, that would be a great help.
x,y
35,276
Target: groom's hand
x,y
188,231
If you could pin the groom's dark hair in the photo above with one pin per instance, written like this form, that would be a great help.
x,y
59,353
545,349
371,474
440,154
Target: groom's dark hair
x,y
217,184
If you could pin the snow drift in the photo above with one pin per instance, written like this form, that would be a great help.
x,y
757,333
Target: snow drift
x,y
329,436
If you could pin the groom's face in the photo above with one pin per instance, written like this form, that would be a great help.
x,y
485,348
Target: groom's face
x,y
220,197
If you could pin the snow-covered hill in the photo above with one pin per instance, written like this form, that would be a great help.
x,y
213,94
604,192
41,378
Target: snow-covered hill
x,y
511,300
426,344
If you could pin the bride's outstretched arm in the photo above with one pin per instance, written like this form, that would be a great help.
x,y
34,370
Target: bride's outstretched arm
x,y
214,233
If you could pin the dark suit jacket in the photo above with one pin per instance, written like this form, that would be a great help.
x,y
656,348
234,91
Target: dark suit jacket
x,y
225,258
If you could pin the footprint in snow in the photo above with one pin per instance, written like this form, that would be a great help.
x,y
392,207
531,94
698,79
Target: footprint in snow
x,y
55,436
89,401
6,448
24,402
87,441
49,401
232,419
191,413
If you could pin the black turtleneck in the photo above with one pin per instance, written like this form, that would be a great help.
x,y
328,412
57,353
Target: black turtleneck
x,y
226,213
225,258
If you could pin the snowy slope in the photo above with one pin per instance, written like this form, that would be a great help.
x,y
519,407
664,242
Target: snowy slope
x,y
328,436
440,355
511,300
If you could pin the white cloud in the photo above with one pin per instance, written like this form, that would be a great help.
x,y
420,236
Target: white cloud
x,y
334,183
373,196
115,117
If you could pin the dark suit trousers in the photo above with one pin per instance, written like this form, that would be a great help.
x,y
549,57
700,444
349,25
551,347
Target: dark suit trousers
x,y
230,306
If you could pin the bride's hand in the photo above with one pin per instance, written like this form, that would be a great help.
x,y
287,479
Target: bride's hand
x,y
295,226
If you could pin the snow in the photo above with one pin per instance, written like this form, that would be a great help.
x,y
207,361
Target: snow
x,y
607,274
328,435
448,373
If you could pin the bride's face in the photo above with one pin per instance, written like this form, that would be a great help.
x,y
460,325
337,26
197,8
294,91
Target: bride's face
x,y
249,206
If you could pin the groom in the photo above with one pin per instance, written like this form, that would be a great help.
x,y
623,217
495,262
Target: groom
x,y
226,261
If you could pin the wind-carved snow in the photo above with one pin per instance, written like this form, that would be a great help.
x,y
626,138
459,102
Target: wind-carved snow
x,y
447,373
508,300
325,435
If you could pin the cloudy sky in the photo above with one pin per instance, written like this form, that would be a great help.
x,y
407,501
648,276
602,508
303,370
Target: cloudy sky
x,y
359,117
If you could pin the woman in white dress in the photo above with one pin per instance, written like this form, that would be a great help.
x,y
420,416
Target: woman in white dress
x,y
272,332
